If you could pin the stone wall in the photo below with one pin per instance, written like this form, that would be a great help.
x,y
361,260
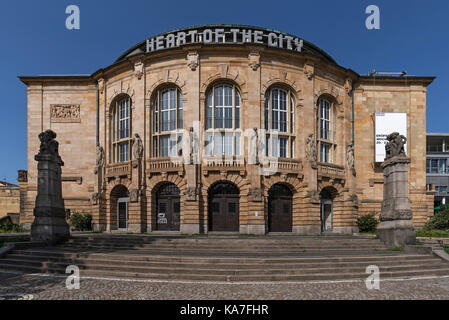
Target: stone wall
x,y
9,201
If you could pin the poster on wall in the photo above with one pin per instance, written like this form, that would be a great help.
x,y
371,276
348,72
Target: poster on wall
x,y
386,123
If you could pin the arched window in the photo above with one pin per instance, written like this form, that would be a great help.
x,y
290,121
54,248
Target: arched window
x,y
223,134
279,123
121,130
326,137
167,123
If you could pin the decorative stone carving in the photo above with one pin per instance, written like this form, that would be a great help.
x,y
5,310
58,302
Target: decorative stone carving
x,y
94,198
22,176
138,69
193,60
253,147
101,85
100,158
395,145
309,70
134,195
350,158
190,193
65,113
256,194
137,149
311,151
348,86
355,200
254,60
49,225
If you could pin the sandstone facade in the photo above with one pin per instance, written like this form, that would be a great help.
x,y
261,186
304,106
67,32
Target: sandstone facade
x,y
68,106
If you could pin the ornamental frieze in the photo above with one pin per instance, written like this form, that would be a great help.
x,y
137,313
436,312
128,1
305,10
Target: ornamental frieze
x,y
65,113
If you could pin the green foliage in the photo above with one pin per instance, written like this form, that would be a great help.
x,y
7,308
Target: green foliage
x,y
398,248
367,223
446,248
9,227
81,221
432,233
440,220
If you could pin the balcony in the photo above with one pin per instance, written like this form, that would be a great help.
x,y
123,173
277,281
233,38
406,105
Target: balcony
x,y
331,170
165,165
118,169
282,166
224,164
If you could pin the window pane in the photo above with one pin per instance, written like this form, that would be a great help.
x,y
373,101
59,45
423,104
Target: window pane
x,y
237,144
164,146
267,143
164,102
218,96
275,146
228,118
218,117
227,96
237,98
218,144
237,118
123,149
283,147
228,144
282,100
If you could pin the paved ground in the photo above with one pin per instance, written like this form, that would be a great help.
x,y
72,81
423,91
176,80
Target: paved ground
x,y
50,287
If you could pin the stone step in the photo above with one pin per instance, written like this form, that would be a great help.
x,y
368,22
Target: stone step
x,y
122,246
176,258
163,266
432,271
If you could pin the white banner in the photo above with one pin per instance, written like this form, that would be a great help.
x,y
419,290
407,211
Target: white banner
x,y
386,123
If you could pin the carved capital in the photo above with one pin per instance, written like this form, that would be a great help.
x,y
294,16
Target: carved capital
x,y
348,86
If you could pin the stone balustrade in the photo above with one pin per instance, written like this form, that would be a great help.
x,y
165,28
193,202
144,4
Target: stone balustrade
x,y
165,164
331,170
118,169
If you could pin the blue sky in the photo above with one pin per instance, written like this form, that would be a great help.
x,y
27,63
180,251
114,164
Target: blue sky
x,y
413,36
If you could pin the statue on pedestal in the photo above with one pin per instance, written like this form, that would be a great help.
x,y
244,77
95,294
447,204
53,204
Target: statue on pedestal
x,y
49,225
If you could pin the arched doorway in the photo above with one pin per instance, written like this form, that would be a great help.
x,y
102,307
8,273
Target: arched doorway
x,y
326,210
119,208
224,207
280,199
168,208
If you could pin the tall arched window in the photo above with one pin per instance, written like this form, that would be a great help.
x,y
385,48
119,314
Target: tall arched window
x,y
223,134
121,130
279,123
326,137
167,123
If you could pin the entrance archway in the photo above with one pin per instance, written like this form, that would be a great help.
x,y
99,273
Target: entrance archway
x,y
280,199
119,208
326,210
223,207
168,208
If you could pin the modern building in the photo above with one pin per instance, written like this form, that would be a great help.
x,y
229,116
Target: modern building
x,y
437,166
227,128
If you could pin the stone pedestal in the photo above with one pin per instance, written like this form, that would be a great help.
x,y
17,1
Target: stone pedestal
x,y
49,225
396,226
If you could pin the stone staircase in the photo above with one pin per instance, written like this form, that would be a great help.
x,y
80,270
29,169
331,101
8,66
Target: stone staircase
x,y
224,258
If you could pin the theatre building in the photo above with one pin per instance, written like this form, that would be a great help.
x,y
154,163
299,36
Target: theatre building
x,y
226,128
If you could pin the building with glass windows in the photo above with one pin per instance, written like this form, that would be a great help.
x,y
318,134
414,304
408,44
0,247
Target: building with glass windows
x,y
224,128
437,166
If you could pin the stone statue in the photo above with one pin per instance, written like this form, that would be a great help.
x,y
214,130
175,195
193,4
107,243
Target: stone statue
x,y
253,147
311,151
395,145
195,147
49,146
187,146
137,147
100,157
350,158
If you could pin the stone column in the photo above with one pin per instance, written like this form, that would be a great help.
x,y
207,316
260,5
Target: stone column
x,y
396,226
49,224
